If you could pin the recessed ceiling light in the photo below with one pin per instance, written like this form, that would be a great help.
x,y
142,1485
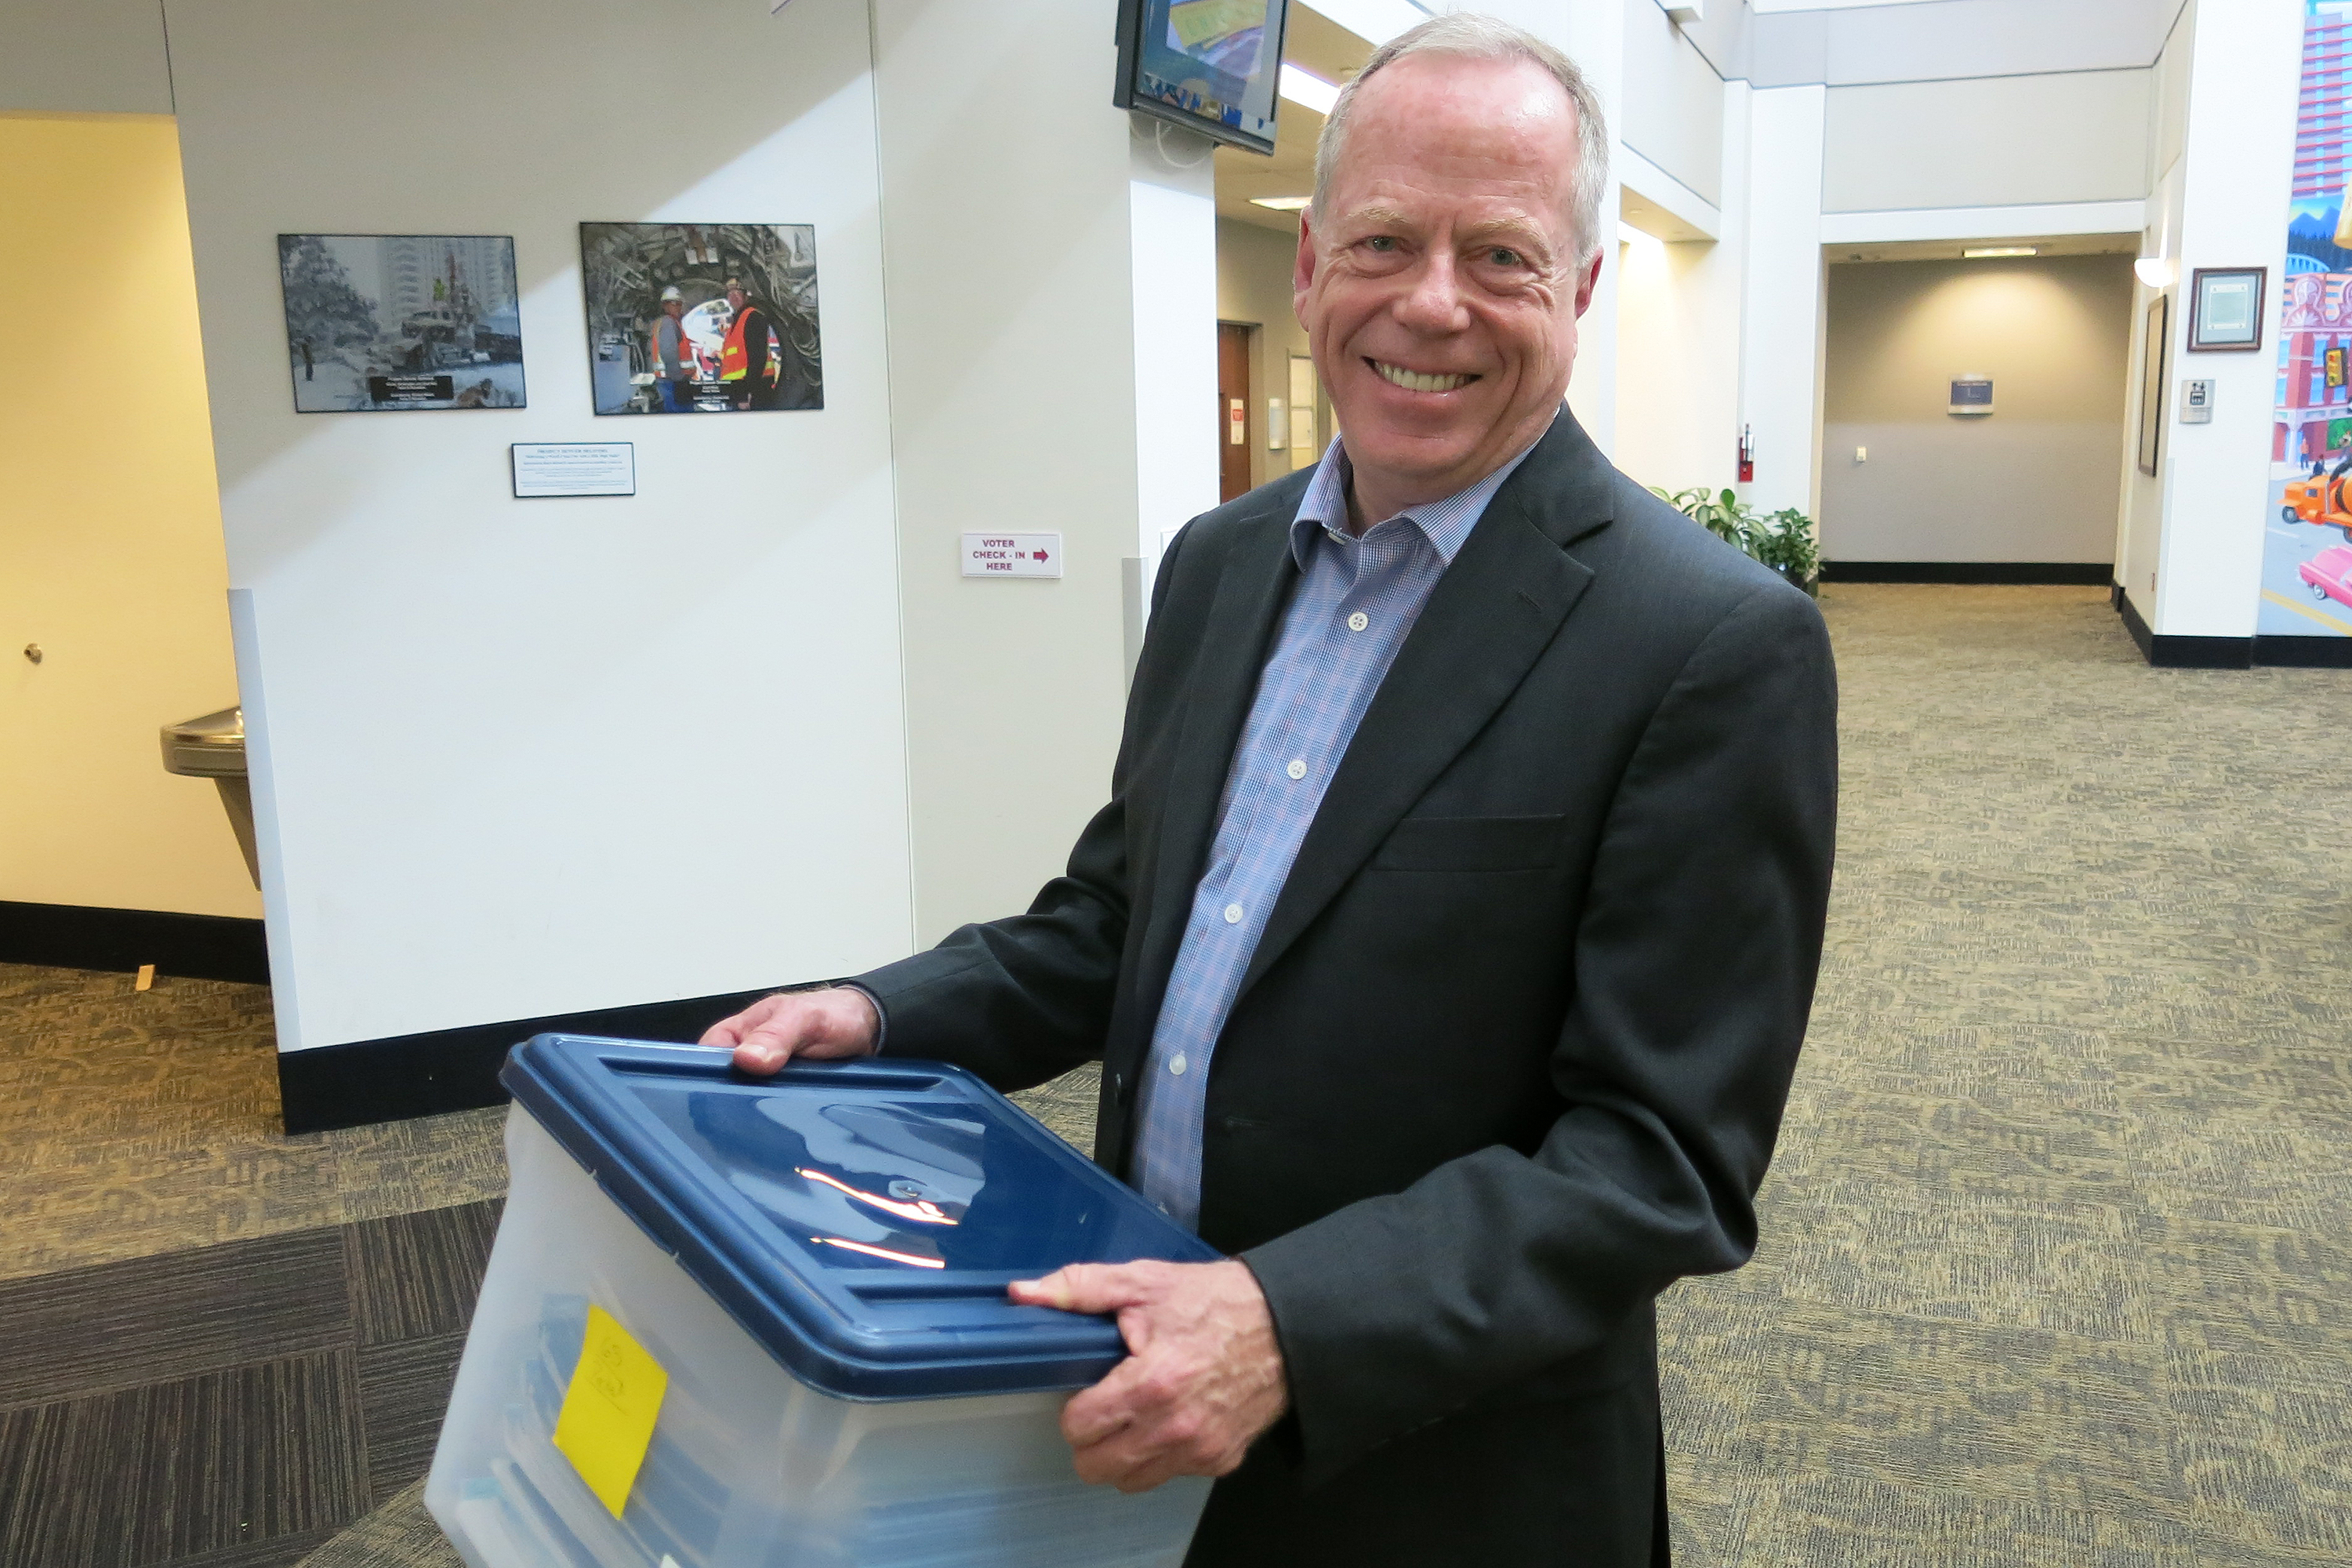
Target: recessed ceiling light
x,y
1307,90
1282,203
2001,250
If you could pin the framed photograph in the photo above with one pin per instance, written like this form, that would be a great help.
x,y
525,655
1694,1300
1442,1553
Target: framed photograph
x,y
2151,383
2225,308
384,322
713,317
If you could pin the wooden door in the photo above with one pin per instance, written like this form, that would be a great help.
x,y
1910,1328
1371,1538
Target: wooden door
x,y
1233,409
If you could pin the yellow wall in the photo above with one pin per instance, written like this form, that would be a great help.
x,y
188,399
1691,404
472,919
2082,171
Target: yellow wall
x,y
110,554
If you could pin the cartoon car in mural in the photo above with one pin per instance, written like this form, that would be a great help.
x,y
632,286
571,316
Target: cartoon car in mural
x,y
2328,575
2324,498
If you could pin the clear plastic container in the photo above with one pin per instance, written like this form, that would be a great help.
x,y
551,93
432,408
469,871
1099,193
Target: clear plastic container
x,y
877,1405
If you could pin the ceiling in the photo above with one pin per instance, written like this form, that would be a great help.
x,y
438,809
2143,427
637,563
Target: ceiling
x,y
1950,249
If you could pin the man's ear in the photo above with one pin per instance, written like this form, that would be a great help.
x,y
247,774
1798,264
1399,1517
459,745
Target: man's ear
x,y
1302,266
1587,283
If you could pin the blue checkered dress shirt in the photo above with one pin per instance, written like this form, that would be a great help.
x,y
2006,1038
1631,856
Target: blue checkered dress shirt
x,y
1355,601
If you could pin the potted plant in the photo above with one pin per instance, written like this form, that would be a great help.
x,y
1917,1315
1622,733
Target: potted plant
x,y
1782,540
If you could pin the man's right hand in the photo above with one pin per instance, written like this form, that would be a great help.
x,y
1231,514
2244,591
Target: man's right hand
x,y
830,1025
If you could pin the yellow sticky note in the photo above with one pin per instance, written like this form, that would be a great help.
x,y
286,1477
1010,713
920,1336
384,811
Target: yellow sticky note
x,y
608,1412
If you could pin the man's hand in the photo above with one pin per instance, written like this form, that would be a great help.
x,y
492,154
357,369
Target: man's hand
x,y
839,1021
1203,1376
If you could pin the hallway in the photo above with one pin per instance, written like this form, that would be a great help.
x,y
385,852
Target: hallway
x,y
2054,1266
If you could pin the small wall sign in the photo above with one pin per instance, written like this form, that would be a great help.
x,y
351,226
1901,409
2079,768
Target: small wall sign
x,y
545,468
1012,555
1971,394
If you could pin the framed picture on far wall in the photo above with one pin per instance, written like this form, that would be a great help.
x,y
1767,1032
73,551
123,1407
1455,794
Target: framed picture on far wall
x,y
401,322
710,318
2151,383
2225,308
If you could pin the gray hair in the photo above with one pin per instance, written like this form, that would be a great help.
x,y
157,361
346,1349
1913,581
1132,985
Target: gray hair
x,y
1473,37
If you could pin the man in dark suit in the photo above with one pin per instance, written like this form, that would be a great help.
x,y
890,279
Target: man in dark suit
x,y
1449,936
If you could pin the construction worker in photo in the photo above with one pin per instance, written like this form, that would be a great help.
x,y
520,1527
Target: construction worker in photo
x,y
673,354
745,366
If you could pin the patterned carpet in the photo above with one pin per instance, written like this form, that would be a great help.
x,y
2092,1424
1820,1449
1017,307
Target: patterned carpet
x,y
2055,1267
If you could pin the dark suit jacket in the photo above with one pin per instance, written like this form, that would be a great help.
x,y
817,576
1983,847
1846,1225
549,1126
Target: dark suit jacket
x,y
1512,1053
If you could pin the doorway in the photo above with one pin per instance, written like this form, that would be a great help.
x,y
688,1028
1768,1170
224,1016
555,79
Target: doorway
x,y
1233,409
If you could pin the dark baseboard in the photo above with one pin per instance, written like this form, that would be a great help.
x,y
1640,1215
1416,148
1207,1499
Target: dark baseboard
x,y
2020,573
82,936
2304,653
404,1076
2188,653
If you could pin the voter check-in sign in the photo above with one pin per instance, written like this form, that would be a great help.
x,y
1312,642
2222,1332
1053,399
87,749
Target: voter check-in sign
x,y
1012,555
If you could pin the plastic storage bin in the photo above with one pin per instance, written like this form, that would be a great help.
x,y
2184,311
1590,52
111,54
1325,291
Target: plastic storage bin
x,y
817,1262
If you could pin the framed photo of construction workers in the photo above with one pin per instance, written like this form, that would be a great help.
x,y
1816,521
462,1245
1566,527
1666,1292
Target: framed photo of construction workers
x,y
712,318
376,322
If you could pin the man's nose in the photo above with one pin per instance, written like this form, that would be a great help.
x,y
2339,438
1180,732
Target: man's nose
x,y
1433,302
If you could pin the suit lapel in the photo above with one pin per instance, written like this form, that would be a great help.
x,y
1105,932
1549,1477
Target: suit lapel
x,y
1235,640
1491,616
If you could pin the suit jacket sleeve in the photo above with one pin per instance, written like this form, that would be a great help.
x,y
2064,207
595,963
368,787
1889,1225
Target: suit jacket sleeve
x,y
1022,1000
1694,967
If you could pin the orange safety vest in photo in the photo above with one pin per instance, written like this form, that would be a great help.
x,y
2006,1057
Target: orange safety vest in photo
x,y
734,364
684,350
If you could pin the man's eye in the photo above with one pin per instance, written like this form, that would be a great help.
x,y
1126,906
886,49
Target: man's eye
x,y
1502,257
1381,242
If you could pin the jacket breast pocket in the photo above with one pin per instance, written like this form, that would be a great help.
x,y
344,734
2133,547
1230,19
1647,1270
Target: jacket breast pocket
x,y
1471,844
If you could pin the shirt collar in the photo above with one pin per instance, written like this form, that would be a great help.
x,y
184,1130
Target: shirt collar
x,y
1447,523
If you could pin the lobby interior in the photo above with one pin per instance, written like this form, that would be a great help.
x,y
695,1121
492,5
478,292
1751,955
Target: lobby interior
x,y
2051,1268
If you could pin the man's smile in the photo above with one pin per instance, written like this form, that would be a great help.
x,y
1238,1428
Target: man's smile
x,y
1418,380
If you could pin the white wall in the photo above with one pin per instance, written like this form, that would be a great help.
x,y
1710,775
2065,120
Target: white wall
x,y
1780,354
1674,101
2235,179
1986,142
1011,285
2032,481
2139,511
529,757
1677,306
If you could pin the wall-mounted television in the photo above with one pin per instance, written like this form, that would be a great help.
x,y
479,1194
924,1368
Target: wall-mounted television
x,y
1208,65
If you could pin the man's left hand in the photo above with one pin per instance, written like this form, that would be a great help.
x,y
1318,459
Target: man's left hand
x,y
1203,1378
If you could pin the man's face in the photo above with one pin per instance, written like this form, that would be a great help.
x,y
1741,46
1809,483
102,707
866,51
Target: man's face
x,y
1438,282
735,300
673,309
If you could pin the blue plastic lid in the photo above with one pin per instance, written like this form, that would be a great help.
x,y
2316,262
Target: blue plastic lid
x,y
860,1219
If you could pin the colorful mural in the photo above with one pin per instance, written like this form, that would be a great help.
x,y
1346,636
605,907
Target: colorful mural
x,y
2307,557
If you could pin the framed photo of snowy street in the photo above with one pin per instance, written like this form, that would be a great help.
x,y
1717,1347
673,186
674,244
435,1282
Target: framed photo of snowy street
x,y
702,318
377,322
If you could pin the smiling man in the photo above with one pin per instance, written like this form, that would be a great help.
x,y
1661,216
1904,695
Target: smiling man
x,y
1450,934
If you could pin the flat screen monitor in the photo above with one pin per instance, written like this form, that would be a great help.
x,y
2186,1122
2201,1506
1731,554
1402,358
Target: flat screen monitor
x,y
1208,65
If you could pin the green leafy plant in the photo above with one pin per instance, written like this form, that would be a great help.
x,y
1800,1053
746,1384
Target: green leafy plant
x,y
1782,540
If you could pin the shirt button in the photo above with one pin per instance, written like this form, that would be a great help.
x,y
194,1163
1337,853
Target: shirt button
x,y
1297,768
1233,914
1176,1064
1359,621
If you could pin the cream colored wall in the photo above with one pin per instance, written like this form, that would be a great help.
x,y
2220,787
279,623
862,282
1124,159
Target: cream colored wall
x,y
1676,391
2071,136
1672,112
2033,481
111,555
1254,268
